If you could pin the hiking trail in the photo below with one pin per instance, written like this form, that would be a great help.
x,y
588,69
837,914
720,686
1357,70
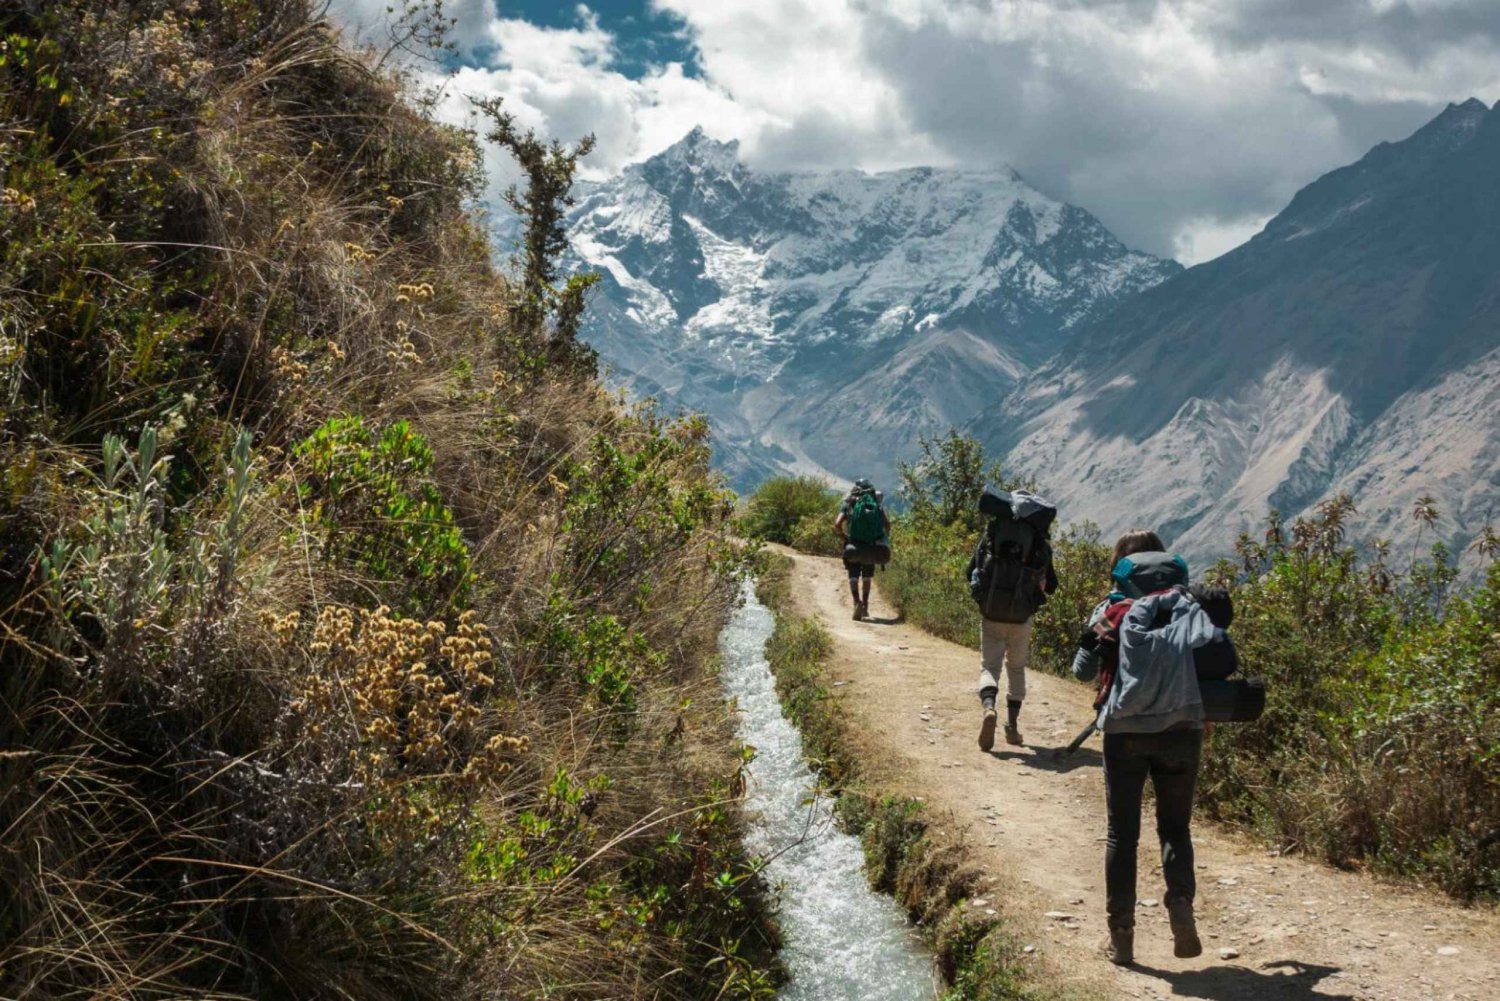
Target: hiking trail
x,y
1288,928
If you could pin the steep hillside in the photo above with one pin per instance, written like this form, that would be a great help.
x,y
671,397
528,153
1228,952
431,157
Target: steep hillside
x,y
823,320
1353,345
346,617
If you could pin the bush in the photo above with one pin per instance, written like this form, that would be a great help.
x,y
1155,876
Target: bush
x,y
1382,725
814,534
775,512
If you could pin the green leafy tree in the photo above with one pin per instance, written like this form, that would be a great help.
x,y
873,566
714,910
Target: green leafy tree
x,y
942,487
543,205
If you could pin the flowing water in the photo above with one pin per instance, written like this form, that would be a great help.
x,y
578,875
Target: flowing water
x,y
842,942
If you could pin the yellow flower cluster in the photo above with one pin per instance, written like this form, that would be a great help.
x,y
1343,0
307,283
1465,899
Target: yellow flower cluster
x,y
12,199
286,366
357,253
415,692
414,293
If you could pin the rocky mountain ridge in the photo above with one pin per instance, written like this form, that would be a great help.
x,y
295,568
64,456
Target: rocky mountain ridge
x,y
1353,345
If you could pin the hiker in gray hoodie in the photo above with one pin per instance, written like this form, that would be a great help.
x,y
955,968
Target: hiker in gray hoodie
x,y
1152,720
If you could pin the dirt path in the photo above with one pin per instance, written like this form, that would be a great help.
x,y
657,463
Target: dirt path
x,y
1290,929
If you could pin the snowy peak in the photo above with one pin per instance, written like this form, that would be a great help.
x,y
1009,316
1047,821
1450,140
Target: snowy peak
x,y
758,296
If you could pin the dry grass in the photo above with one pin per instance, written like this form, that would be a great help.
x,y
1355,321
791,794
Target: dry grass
x,y
287,714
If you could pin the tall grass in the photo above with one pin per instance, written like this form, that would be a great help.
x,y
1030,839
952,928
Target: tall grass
x,y
355,637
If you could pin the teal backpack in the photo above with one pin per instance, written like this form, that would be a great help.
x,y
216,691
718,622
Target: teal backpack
x,y
866,524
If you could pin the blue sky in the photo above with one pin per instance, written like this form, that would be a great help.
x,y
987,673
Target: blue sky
x,y
645,36
1182,124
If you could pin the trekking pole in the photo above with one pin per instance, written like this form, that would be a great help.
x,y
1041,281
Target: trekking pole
x,y
1083,735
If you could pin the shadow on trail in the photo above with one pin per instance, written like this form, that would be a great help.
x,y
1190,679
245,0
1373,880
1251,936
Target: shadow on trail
x,y
1052,759
1240,983
885,620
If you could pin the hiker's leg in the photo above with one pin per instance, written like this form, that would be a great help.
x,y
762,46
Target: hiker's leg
x,y
852,569
1125,771
1174,776
1017,656
868,573
992,636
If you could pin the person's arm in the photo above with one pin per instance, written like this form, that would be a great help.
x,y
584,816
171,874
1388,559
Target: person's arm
x,y
1087,659
838,524
1086,663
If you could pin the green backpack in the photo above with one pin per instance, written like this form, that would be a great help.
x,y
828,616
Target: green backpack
x,y
866,525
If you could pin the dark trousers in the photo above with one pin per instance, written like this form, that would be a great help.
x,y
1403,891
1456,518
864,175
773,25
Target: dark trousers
x,y
1170,760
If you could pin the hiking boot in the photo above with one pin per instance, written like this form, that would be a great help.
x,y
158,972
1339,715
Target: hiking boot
x,y
1185,941
1012,735
859,611
1120,946
987,728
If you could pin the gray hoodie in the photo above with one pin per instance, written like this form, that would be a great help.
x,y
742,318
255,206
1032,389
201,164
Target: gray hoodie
x,y
1156,684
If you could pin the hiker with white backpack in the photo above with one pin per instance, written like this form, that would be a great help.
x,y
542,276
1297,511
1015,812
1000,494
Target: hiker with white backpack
x,y
866,531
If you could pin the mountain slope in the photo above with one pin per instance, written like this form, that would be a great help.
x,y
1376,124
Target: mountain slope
x,y
823,320
1351,345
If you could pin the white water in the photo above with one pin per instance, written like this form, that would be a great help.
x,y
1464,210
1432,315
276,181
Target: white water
x,y
841,941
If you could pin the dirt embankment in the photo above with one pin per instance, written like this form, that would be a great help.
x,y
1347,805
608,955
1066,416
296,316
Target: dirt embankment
x,y
1275,927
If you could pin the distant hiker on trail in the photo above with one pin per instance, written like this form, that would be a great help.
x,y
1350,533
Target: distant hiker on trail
x,y
866,531
1140,642
1010,577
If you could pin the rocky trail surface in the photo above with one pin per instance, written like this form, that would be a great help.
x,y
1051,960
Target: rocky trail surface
x,y
1275,928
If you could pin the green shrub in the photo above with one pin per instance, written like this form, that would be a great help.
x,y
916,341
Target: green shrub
x,y
1382,727
814,534
777,508
372,498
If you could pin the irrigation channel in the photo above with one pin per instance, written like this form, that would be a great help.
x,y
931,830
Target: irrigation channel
x,y
841,941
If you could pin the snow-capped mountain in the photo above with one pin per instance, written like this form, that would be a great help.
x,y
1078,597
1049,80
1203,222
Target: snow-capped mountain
x,y
824,320
1353,345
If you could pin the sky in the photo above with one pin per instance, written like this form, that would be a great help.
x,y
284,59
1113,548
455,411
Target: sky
x,y
1182,124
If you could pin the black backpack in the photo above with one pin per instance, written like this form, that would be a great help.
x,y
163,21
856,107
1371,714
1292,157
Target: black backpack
x,y
1011,564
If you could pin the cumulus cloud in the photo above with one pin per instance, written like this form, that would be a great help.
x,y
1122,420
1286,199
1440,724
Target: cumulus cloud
x,y
1183,124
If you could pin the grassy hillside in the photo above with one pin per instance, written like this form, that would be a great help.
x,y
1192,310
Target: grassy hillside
x,y
354,639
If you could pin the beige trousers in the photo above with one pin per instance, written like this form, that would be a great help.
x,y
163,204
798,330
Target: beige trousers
x,y
1007,645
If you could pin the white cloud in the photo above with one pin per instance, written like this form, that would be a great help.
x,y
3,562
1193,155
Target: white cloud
x,y
1182,123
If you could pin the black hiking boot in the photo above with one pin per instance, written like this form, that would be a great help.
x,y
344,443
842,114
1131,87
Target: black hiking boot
x,y
1185,941
1012,720
1120,946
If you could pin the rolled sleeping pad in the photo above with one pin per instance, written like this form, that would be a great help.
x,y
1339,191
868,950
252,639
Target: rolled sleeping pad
x,y
878,553
1216,661
1020,505
1240,701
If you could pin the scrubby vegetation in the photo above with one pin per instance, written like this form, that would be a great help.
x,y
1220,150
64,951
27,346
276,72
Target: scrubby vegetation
x,y
347,619
980,956
794,511
1381,739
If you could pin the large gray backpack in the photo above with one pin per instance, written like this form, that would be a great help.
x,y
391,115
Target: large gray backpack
x,y
1012,564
